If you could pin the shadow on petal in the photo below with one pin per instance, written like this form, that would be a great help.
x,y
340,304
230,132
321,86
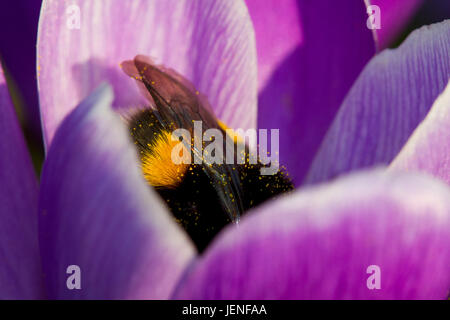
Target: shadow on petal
x,y
305,91
20,265
129,96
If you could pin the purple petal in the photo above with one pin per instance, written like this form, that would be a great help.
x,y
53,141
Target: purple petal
x,y
275,22
319,243
394,17
279,22
18,30
308,85
428,148
97,212
20,265
387,102
211,43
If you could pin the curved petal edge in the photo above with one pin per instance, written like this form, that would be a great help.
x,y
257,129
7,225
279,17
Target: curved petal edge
x,y
371,235
97,213
390,98
428,148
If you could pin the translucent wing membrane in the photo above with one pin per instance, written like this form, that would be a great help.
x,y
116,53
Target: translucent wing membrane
x,y
177,104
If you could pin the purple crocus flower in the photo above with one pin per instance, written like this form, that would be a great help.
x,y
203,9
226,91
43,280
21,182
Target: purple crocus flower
x,y
339,108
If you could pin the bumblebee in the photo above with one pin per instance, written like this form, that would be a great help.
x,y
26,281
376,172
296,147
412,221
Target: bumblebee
x,y
203,196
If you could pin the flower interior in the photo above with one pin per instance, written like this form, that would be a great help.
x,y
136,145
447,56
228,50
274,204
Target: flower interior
x,y
203,196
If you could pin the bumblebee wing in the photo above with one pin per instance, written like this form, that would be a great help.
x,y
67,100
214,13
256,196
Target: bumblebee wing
x,y
178,104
